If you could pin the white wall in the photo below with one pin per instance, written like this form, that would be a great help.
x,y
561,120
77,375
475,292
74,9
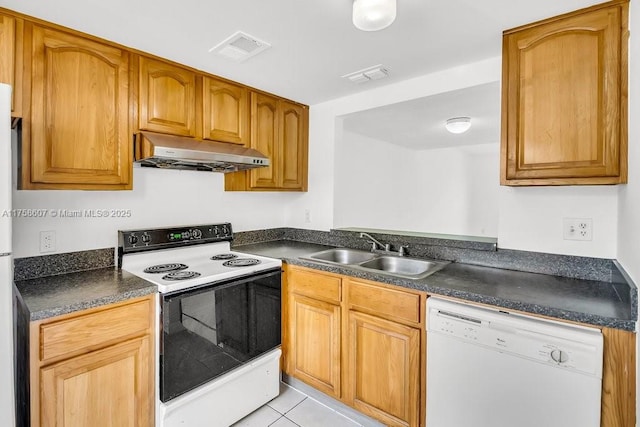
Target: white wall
x,y
325,129
448,190
159,198
528,219
531,219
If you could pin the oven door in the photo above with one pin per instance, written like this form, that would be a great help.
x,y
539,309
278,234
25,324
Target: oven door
x,y
213,329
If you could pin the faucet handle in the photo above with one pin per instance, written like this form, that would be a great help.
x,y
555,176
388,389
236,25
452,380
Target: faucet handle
x,y
403,250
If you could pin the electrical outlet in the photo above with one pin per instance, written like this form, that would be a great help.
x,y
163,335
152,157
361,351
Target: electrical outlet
x,y
307,216
578,229
47,241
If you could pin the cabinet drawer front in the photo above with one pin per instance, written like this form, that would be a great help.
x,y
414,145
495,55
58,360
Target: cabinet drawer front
x,y
315,285
383,302
91,331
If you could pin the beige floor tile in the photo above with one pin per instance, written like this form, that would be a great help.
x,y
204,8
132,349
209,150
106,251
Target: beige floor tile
x,y
262,417
287,400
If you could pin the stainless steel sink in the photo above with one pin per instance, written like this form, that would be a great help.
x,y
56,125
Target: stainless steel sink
x,y
342,256
410,268
404,267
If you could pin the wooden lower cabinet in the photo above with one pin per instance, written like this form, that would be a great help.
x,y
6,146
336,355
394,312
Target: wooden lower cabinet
x,y
364,343
74,391
95,367
383,373
344,338
315,343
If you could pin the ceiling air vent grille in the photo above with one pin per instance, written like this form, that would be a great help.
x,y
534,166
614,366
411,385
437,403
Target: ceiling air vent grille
x,y
376,72
240,47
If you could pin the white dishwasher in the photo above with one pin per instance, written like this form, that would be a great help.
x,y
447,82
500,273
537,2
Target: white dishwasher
x,y
490,368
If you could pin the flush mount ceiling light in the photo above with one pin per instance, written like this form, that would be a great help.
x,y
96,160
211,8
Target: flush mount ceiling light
x,y
373,15
458,124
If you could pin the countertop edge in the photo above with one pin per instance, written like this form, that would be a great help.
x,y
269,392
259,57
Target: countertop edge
x,y
91,303
549,312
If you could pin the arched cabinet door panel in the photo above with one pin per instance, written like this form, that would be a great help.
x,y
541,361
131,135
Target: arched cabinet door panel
x,y
77,134
564,99
167,98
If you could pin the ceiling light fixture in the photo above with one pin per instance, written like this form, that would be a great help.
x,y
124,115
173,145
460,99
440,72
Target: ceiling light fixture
x,y
458,124
373,15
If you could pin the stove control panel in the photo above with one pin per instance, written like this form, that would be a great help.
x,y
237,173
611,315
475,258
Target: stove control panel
x,y
141,240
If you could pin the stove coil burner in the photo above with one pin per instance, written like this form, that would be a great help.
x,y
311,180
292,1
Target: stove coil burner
x,y
221,257
181,275
164,268
241,262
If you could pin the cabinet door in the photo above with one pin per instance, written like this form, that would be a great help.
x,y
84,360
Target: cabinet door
x,y
264,138
314,346
564,112
10,52
293,137
226,112
383,376
79,128
108,387
167,98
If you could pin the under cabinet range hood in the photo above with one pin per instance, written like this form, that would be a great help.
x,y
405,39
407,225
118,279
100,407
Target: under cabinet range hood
x,y
175,152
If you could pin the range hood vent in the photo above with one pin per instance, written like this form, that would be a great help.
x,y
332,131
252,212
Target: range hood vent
x,y
175,152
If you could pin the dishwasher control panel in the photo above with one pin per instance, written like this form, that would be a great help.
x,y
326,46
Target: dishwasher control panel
x,y
554,343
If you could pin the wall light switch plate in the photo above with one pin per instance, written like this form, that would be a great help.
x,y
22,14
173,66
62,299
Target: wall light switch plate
x,y
577,228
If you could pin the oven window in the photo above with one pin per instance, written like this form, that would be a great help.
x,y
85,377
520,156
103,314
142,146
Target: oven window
x,y
211,330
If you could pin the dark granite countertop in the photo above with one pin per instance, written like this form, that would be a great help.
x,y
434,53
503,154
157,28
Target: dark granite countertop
x,y
52,296
587,301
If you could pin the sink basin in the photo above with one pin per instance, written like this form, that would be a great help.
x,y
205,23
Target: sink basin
x,y
409,268
404,267
342,256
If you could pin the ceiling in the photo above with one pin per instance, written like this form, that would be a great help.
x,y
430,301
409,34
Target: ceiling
x,y
419,124
313,42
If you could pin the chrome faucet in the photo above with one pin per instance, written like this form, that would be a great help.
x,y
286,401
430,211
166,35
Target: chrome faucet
x,y
386,248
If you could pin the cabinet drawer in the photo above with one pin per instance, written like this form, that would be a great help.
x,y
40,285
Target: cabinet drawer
x,y
315,285
91,331
384,302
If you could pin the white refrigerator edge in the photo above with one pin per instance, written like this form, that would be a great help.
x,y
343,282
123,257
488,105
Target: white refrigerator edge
x,y
7,398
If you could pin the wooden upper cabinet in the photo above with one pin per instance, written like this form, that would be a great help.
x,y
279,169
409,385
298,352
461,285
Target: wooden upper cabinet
x,y
564,104
11,59
167,98
279,130
294,135
226,113
77,134
264,138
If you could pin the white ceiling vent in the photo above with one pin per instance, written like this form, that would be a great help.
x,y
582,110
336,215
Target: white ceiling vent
x,y
376,72
240,47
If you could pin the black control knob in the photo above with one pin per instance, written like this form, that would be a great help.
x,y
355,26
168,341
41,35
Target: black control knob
x,y
133,239
225,230
146,238
196,233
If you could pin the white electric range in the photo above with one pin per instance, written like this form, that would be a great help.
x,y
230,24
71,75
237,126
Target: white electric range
x,y
219,329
